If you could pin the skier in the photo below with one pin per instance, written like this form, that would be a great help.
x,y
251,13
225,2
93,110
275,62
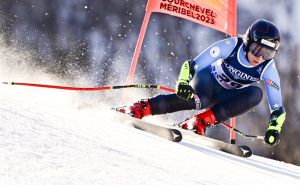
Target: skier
x,y
221,80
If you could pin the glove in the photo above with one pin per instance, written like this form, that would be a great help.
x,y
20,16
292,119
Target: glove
x,y
276,121
184,91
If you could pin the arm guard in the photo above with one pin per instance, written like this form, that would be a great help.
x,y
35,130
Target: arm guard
x,y
277,119
187,71
276,122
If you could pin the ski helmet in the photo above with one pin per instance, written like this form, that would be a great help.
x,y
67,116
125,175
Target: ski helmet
x,y
262,39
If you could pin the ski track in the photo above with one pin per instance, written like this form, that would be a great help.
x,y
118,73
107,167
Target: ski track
x,y
46,139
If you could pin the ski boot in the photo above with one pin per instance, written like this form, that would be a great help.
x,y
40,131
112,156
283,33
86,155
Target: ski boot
x,y
199,122
138,110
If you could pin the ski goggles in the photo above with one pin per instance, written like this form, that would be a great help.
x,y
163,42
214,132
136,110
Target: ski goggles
x,y
261,50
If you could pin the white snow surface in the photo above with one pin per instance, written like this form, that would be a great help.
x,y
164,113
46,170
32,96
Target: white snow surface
x,y
47,137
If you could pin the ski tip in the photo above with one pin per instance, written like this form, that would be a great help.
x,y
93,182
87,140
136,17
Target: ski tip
x,y
177,136
242,151
247,152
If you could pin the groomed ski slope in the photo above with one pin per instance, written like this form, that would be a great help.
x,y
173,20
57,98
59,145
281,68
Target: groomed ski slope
x,y
47,137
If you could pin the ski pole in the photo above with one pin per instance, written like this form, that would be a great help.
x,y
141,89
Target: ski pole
x,y
103,88
242,133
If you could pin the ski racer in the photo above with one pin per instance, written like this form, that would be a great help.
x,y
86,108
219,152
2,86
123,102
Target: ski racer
x,y
222,80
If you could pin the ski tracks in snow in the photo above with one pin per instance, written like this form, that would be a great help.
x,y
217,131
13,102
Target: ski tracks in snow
x,y
46,139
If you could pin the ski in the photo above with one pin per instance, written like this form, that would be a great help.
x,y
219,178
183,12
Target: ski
x,y
170,134
238,150
177,134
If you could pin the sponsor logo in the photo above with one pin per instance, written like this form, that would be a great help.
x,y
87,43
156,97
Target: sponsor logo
x,y
215,51
223,79
237,74
259,70
254,35
232,55
273,84
268,43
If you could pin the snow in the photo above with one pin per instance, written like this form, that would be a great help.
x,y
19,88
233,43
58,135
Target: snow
x,y
51,137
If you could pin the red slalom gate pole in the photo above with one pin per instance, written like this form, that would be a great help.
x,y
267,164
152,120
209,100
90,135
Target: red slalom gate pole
x,y
138,48
232,134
